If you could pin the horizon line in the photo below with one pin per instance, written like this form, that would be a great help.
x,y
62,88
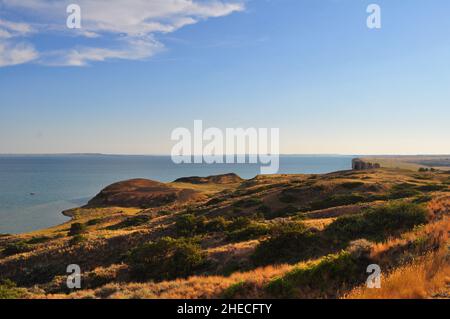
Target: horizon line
x,y
169,155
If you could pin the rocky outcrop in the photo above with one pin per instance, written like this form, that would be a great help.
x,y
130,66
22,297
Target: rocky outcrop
x,y
358,164
142,193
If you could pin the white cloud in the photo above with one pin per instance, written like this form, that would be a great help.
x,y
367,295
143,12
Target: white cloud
x,y
9,29
131,49
132,25
16,53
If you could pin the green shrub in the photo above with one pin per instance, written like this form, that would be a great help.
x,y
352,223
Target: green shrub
x,y
94,221
9,290
239,223
166,258
403,190
77,239
378,223
131,222
352,185
77,229
323,279
16,248
217,224
164,212
232,290
186,225
38,240
251,231
337,200
288,242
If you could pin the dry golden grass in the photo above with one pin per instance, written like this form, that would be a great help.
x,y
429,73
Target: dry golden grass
x,y
319,223
424,278
436,233
196,287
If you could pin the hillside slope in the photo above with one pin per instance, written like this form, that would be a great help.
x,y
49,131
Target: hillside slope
x,y
274,236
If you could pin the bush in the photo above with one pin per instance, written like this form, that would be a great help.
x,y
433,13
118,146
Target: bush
x,y
232,290
239,223
352,185
164,213
16,248
166,258
289,242
338,200
130,222
378,223
247,203
322,279
403,190
94,221
217,224
38,240
77,239
186,225
251,231
77,229
9,290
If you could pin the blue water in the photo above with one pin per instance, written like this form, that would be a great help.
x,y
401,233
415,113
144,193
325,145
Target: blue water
x,y
61,182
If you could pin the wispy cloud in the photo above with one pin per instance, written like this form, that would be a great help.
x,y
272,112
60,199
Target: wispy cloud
x,y
9,29
130,27
130,49
16,53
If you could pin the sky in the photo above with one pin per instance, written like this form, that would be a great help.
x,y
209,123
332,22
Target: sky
x,y
138,69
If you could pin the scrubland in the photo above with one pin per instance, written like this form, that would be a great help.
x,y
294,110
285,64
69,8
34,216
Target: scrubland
x,y
280,236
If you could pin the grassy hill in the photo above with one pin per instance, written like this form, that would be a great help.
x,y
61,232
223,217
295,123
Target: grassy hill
x,y
280,236
441,162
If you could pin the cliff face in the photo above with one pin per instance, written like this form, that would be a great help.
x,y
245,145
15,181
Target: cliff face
x,y
358,164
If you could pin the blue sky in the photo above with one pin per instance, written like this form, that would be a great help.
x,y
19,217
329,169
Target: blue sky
x,y
133,73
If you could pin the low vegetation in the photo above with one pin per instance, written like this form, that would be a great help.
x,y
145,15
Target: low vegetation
x,y
378,223
9,290
77,229
16,248
285,236
130,222
166,258
289,242
320,279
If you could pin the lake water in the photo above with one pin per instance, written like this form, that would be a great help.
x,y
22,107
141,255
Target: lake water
x,y
34,190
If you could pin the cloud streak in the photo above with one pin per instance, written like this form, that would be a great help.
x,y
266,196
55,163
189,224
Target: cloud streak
x,y
130,27
16,53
